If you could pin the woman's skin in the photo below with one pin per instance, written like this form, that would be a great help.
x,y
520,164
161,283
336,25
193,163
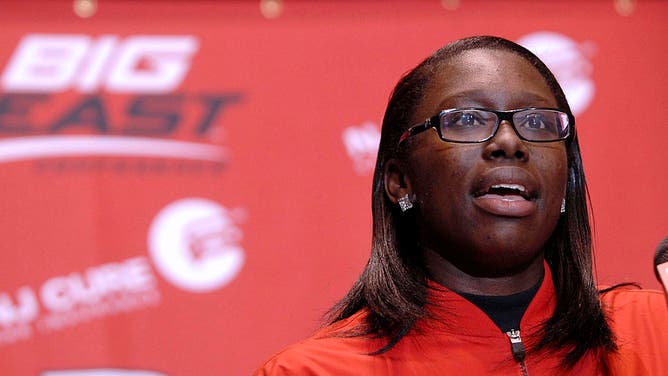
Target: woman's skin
x,y
473,241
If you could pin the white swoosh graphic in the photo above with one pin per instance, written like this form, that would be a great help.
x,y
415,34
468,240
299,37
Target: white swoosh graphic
x,y
22,148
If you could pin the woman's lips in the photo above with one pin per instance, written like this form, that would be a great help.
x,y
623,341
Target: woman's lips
x,y
507,191
505,205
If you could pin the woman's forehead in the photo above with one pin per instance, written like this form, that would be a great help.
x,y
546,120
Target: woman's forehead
x,y
491,97
496,79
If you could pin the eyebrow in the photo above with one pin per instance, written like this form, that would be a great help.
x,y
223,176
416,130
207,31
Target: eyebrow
x,y
481,97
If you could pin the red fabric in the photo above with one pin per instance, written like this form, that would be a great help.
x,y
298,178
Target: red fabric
x,y
466,341
640,321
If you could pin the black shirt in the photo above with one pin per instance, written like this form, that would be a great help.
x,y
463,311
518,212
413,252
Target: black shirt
x,y
506,311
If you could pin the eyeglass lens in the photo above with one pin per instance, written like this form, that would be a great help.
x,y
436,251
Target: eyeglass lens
x,y
478,125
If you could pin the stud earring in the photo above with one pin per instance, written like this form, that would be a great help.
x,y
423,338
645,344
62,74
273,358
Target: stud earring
x,y
563,205
405,203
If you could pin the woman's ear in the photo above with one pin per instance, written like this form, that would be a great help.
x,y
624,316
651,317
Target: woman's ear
x,y
397,183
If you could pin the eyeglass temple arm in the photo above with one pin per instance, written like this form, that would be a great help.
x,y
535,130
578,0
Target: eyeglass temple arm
x,y
415,130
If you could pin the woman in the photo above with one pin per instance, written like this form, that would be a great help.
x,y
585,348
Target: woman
x,y
481,259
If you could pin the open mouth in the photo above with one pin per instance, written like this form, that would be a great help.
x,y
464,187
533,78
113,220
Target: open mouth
x,y
507,190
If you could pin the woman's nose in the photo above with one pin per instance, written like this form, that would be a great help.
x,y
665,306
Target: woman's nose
x,y
506,144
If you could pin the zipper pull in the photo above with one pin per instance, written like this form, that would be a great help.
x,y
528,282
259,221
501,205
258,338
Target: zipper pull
x,y
516,345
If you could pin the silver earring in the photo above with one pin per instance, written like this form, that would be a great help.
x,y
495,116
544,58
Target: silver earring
x,y
405,203
563,206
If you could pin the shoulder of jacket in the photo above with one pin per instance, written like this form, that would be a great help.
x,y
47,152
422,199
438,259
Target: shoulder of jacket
x,y
631,295
637,311
330,344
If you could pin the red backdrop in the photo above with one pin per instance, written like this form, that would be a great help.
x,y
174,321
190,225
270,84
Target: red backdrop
x,y
186,185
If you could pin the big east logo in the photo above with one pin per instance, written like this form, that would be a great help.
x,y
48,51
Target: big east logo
x,y
139,64
74,95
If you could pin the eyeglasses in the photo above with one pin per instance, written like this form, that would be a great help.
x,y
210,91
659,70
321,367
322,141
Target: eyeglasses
x,y
472,125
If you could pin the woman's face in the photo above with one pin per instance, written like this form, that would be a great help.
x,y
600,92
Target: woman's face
x,y
486,208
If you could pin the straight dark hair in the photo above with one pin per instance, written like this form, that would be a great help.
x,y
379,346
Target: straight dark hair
x,y
393,286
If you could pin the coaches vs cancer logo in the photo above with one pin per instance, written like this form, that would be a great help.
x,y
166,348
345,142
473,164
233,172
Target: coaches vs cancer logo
x,y
361,143
194,244
570,63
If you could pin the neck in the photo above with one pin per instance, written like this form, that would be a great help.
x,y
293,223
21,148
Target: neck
x,y
449,275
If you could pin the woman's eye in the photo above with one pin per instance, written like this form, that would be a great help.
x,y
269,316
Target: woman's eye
x,y
467,119
534,121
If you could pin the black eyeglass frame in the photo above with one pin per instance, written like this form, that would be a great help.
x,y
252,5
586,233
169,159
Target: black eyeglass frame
x,y
435,122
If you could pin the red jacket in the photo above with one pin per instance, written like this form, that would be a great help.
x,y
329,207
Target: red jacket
x,y
468,343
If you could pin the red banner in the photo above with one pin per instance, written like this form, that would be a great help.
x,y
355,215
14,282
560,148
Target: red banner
x,y
186,185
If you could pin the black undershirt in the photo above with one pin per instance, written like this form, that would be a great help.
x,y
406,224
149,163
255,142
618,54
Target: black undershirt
x,y
506,311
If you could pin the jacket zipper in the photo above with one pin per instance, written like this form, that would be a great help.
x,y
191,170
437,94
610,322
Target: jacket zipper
x,y
517,347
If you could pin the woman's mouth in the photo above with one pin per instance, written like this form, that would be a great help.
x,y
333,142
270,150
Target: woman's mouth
x,y
505,199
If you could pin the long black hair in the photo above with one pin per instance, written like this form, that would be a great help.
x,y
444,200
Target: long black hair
x,y
392,287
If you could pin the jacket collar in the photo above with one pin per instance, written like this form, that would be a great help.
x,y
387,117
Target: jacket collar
x,y
453,313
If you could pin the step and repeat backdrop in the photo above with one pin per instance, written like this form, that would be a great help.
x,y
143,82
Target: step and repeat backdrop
x,y
185,185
